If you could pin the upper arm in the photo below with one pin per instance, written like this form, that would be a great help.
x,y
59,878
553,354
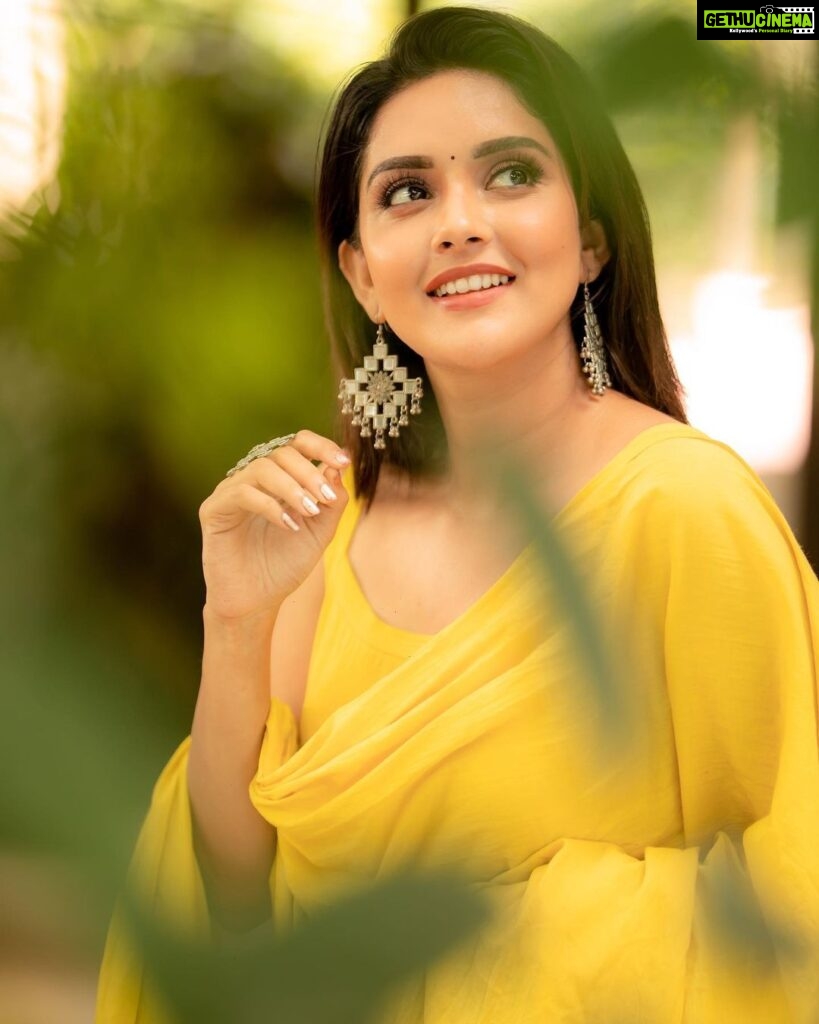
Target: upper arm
x,y
735,620
292,640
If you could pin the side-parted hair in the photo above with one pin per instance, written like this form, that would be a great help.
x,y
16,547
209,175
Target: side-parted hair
x,y
552,87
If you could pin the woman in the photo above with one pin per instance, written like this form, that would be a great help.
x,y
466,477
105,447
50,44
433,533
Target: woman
x,y
476,205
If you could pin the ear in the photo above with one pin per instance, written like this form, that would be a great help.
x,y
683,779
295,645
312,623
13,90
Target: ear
x,y
595,254
353,264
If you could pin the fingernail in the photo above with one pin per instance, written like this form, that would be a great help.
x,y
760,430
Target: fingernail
x,y
342,459
328,492
310,505
291,522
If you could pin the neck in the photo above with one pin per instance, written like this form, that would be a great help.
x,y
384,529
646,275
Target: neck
x,y
536,410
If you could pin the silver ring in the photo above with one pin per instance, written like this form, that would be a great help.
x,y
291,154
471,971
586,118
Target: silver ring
x,y
259,451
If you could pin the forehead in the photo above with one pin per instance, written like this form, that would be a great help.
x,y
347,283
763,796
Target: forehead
x,y
450,111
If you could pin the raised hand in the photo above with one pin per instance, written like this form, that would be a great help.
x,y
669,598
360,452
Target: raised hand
x,y
265,527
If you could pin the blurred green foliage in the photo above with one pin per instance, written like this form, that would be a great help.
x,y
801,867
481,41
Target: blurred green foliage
x,y
159,314
166,311
336,968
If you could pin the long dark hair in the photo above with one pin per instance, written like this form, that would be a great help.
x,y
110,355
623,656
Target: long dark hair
x,y
554,89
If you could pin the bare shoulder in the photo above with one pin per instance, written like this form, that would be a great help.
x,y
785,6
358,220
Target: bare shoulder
x,y
619,423
626,417
604,432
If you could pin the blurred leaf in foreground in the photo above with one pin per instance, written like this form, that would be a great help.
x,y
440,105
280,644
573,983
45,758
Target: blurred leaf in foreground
x,y
605,694
335,968
736,923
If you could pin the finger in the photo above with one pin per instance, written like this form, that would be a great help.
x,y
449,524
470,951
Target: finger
x,y
311,478
249,498
277,480
296,457
318,448
334,476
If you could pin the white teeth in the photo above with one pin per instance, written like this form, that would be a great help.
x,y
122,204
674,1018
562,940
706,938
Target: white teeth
x,y
473,283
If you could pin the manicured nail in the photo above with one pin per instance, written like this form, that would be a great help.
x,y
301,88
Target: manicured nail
x,y
328,492
310,505
291,522
343,459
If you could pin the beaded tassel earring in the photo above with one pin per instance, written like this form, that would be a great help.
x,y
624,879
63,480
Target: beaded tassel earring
x,y
379,392
593,351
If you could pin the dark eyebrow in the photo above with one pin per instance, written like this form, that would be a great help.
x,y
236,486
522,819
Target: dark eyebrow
x,y
412,163
400,163
508,142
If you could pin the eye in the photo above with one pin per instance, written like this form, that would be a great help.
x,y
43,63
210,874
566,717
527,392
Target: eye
x,y
402,191
513,175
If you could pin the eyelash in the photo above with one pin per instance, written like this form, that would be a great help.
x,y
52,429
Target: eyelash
x,y
392,185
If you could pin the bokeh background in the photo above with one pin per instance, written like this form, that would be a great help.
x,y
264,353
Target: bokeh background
x,y
160,313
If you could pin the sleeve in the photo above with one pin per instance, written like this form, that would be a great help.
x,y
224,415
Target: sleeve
x,y
741,635
669,934
165,875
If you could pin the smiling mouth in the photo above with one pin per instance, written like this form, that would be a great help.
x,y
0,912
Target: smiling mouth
x,y
473,283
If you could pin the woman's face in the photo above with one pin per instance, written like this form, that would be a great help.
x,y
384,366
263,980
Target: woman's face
x,y
461,186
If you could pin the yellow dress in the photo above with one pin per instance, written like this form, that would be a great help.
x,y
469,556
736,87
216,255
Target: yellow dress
x,y
480,746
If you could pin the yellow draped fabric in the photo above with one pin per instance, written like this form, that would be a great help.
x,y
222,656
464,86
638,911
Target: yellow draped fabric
x,y
482,747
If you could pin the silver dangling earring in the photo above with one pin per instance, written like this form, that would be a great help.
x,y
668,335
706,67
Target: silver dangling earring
x,y
379,392
593,351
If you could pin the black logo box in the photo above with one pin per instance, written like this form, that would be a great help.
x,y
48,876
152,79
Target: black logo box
x,y
755,31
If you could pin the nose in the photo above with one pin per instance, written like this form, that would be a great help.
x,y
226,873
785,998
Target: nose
x,y
462,220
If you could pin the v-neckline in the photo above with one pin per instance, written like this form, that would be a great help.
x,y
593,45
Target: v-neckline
x,y
409,640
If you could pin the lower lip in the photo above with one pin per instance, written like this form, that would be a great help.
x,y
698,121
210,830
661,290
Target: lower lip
x,y
471,300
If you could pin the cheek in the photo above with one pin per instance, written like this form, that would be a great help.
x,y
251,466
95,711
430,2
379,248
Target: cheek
x,y
389,261
546,239
548,230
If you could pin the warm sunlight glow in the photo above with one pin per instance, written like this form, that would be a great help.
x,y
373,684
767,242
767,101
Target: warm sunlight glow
x,y
747,371
324,40
32,91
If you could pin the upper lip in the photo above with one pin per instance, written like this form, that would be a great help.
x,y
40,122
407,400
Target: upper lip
x,y
455,272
